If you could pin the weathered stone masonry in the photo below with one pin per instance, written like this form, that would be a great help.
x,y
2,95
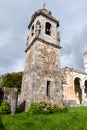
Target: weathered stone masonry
x,y
42,78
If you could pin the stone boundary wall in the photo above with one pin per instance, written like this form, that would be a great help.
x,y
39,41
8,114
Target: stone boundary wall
x,y
11,96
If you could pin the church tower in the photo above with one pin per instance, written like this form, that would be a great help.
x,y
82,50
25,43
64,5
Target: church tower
x,y
42,77
85,61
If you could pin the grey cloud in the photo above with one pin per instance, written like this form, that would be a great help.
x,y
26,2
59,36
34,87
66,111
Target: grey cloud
x,y
11,51
14,19
75,49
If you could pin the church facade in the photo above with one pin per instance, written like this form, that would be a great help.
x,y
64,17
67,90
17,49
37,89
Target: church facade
x,y
43,79
74,85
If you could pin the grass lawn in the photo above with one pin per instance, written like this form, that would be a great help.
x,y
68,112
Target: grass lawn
x,y
75,119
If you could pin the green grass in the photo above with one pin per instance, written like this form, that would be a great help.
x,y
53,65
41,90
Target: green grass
x,y
75,119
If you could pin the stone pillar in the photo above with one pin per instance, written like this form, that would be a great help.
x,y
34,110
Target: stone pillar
x,y
13,106
83,95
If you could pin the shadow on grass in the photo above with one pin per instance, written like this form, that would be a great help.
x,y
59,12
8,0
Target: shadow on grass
x,y
1,125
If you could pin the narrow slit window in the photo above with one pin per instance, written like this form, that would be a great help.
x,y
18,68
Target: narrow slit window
x,y
32,30
48,89
48,28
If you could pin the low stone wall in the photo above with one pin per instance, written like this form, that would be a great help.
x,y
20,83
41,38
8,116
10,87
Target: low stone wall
x,y
10,95
71,103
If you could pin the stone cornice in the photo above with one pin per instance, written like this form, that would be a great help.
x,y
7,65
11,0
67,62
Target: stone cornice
x,y
74,70
43,41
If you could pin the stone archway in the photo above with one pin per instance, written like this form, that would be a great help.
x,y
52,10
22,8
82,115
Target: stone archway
x,y
78,91
86,89
1,95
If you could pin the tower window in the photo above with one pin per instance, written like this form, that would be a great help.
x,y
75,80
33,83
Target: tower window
x,y
32,30
38,25
48,28
48,89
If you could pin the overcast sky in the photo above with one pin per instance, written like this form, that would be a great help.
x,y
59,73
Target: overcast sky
x,y
14,19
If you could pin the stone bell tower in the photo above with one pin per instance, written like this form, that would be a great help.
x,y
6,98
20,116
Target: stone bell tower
x,y
85,61
42,76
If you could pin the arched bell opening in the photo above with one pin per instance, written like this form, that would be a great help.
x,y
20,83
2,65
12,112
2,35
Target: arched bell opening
x,y
48,28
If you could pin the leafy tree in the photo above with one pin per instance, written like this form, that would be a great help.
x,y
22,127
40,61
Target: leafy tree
x,y
12,80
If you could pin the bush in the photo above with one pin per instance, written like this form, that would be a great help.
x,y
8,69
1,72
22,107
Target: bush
x,y
19,110
4,108
45,108
35,108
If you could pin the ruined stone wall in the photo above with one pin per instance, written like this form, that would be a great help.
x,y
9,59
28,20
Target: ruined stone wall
x,y
70,97
68,85
9,94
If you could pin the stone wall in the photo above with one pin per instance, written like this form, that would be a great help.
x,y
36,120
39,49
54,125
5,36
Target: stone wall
x,y
70,96
42,65
9,94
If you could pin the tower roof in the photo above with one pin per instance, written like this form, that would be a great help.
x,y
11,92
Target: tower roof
x,y
45,13
85,53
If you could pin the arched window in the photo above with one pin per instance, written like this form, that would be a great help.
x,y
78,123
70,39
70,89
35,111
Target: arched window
x,y
86,88
78,91
37,28
38,25
48,28
32,30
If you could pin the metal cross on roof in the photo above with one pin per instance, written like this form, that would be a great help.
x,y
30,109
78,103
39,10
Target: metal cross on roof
x,y
44,5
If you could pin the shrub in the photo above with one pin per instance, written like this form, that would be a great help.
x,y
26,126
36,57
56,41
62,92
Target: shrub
x,y
35,108
19,110
45,108
4,108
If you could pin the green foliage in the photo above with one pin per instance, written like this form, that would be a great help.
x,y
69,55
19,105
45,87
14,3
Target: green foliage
x,y
35,108
45,108
12,80
19,110
4,108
